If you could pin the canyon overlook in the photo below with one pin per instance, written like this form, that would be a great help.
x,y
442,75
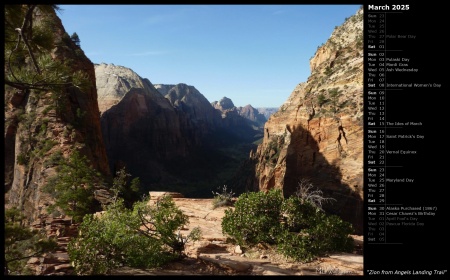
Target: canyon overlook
x,y
173,139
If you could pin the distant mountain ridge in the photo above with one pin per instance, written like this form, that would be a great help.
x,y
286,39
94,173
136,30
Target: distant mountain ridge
x,y
162,133
252,114
267,111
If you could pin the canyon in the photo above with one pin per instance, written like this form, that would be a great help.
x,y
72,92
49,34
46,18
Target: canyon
x,y
175,140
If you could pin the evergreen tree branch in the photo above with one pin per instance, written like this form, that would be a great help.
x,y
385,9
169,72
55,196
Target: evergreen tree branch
x,y
28,22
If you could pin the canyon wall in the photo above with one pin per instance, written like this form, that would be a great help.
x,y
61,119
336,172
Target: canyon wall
x,y
317,134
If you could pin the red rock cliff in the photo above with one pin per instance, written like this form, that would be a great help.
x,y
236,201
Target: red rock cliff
x,y
35,129
317,134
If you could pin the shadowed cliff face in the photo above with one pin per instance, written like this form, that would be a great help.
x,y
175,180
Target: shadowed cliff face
x,y
317,134
304,160
196,107
158,139
142,136
326,152
35,130
169,136
253,115
242,122
142,130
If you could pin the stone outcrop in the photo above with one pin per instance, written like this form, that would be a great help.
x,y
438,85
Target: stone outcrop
x,y
238,121
317,134
167,135
220,117
56,262
170,134
214,255
254,117
142,130
223,104
212,251
114,81
194,104
38,125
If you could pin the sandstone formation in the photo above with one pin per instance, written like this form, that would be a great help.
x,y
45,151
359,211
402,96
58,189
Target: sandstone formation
x,y
141,129
194,104
211,255
56,262
244,123
253,115
170,136
38,126
167,135
223,104
317,134
114,81
122,120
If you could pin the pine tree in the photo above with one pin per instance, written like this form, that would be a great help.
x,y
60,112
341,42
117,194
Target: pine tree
x,y
75,39
22,243
29,40
73,187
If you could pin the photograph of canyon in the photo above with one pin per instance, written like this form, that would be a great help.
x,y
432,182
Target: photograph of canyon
x,y
113,170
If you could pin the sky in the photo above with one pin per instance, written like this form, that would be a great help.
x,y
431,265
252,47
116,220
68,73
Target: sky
x,y
252,54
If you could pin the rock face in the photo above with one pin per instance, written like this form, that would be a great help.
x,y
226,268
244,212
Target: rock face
x,y
57,262
243,122
170,136
114,81
317,134
197,108
36,128
142,129
167,135
253,115
136,120
223,104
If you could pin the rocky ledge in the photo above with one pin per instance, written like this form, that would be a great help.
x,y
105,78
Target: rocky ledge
x,y
212,255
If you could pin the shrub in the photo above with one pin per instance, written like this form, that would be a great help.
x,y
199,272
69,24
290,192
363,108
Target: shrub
x,y
321,99
54,159
309,231
256,218
125,188
223,199
73,187
331,234
297,225
22,243
307,193
296,246
22,159
298,214
145,237
106,242
166,220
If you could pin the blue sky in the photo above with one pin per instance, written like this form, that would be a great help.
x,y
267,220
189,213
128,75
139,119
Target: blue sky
x,y
252,54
